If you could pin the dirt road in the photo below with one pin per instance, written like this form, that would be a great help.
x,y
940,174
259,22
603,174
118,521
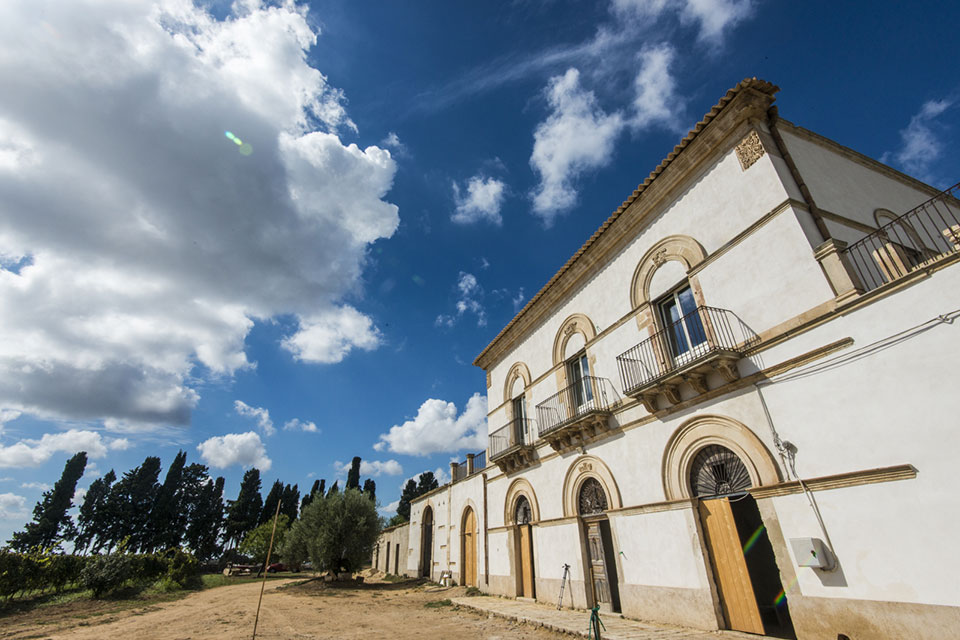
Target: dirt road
x,y
290,612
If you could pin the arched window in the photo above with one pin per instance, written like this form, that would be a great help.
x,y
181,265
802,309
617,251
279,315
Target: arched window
x,y
522,514
717,471
592,498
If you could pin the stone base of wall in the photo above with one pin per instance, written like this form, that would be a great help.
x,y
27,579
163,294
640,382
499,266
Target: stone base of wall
x,y
825,618
671,605
574,594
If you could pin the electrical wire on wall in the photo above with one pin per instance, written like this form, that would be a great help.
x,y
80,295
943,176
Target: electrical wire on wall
x,y
787,450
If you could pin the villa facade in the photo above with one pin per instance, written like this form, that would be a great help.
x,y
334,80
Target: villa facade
x,y
733,408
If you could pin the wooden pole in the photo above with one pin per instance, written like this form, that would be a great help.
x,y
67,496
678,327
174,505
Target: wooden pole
x,y
266,565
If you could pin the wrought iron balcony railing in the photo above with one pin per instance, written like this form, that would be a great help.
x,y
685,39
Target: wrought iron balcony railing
x,y
913,241
474,463
588,396
516,433
703,334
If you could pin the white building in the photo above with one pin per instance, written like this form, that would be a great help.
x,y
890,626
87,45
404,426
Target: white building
x,y
758,309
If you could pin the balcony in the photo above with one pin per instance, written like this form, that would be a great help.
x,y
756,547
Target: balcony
x,y
705,340
511,446
577,414
916,240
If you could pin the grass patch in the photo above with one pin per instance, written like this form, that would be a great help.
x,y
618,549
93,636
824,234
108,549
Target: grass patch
x,y
473,591
436,604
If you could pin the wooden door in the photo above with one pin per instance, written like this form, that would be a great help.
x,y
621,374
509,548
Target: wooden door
x,y
526,561
598,570
470,549
729,567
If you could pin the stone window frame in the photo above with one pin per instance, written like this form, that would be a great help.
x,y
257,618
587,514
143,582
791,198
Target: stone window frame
x,y
518,371
517,488
680,248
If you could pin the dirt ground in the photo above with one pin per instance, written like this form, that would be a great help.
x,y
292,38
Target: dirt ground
x,y
290,611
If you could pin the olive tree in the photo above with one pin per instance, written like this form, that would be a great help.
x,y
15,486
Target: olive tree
x,y
337,532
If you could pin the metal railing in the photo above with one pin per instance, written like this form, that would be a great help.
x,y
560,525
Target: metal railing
x,y
912,241
480,461
460,471
516,432
588,395
693,337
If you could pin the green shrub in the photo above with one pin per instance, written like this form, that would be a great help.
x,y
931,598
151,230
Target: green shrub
x,y
103,574
63,570
183,569
11,573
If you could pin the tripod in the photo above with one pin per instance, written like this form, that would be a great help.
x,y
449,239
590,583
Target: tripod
x,y
563,583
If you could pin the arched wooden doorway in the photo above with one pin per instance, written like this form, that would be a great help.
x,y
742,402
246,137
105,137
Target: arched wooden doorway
x,y
468,548
426,543
601,571
522,516
744,567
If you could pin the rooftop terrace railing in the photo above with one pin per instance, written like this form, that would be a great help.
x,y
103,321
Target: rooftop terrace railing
x,y
693,338
578,400
915,240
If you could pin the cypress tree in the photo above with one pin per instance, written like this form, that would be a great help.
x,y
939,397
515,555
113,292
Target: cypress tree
x,y
51,522
409,493
166,517
291,497
270,504
206,520
370,489
91,519
244,512
308,498
334,489
353,476
428,482
134,500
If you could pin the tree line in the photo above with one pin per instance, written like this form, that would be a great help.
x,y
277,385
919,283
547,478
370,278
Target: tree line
x,y
136,513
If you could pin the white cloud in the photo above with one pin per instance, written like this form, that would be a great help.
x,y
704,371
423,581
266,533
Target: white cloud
x,y
32,453
261,415
438,428
300,425
922,146
38,486
328,337
392,141
518,300
482,201
469,300
8,415
154,240
390,509
119,444
78,496
371,468
244,449
576,137
12,506
655,100
713,18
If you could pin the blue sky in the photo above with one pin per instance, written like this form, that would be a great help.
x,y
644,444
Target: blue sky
x,y
413,173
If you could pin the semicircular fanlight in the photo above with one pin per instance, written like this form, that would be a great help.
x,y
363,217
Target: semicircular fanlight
x,y
592,499
522,514
717,471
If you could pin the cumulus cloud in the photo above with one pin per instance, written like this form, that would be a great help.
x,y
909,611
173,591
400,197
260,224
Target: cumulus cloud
x,y
147,241
38,486
437,428
470,295
261,415
243,449
482,200
13,507
921,145
32,453
328,337
576,137
390,509
300,425
374,468
655,100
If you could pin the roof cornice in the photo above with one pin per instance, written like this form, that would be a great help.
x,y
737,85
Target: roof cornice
x,y
748,99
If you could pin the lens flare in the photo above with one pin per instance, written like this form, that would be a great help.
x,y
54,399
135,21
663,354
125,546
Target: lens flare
x,y
245,147
752,540
782,596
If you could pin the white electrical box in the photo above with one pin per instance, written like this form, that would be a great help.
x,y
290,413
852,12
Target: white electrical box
x,y
811,552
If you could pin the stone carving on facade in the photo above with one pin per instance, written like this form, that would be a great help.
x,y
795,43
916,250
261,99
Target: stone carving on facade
x,y
570,328
659,257
586,466
749,150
